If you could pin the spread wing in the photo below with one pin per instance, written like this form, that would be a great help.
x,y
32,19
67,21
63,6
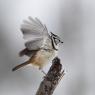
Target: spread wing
x,y
34,32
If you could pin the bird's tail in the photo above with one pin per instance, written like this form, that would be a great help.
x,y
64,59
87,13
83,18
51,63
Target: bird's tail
x,y
21,65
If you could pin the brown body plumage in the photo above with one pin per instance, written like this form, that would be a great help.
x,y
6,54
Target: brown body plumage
x,y
39,59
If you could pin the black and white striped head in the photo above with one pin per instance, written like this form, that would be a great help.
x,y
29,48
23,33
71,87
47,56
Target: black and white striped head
x,y
55,41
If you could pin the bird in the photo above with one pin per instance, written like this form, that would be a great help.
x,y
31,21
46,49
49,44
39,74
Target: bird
x,y
41,46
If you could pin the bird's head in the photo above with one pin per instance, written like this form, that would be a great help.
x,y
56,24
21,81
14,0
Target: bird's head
x,y
55,40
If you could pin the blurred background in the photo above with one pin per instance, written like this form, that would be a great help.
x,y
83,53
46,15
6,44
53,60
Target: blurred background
x,y
73,21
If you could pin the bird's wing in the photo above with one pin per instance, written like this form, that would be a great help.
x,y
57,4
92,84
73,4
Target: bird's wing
x,y
34,32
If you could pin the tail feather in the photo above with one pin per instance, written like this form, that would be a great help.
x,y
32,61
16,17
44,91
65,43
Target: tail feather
x,y
19,66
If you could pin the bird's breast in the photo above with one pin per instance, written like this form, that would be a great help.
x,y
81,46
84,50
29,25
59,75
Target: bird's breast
x,y
43,56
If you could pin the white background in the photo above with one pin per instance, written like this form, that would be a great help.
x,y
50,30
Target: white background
x,y
73,21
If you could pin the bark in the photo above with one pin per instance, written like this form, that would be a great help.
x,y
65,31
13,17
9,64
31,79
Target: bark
x,y
52,78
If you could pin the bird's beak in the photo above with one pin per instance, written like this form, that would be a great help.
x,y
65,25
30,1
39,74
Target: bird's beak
x,y
62,42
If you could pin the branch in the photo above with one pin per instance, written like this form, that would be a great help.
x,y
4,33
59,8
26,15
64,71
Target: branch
x,y
51,79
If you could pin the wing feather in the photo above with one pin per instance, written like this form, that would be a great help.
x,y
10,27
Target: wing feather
x,y
34,32
34,44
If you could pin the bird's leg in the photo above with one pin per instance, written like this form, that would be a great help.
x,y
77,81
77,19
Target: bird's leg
x,y
40,68
43,72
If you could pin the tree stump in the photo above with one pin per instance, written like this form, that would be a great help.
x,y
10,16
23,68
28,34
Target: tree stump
x,y
52,78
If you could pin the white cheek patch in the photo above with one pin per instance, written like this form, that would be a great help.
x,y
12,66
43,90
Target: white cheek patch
x,y
56,41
